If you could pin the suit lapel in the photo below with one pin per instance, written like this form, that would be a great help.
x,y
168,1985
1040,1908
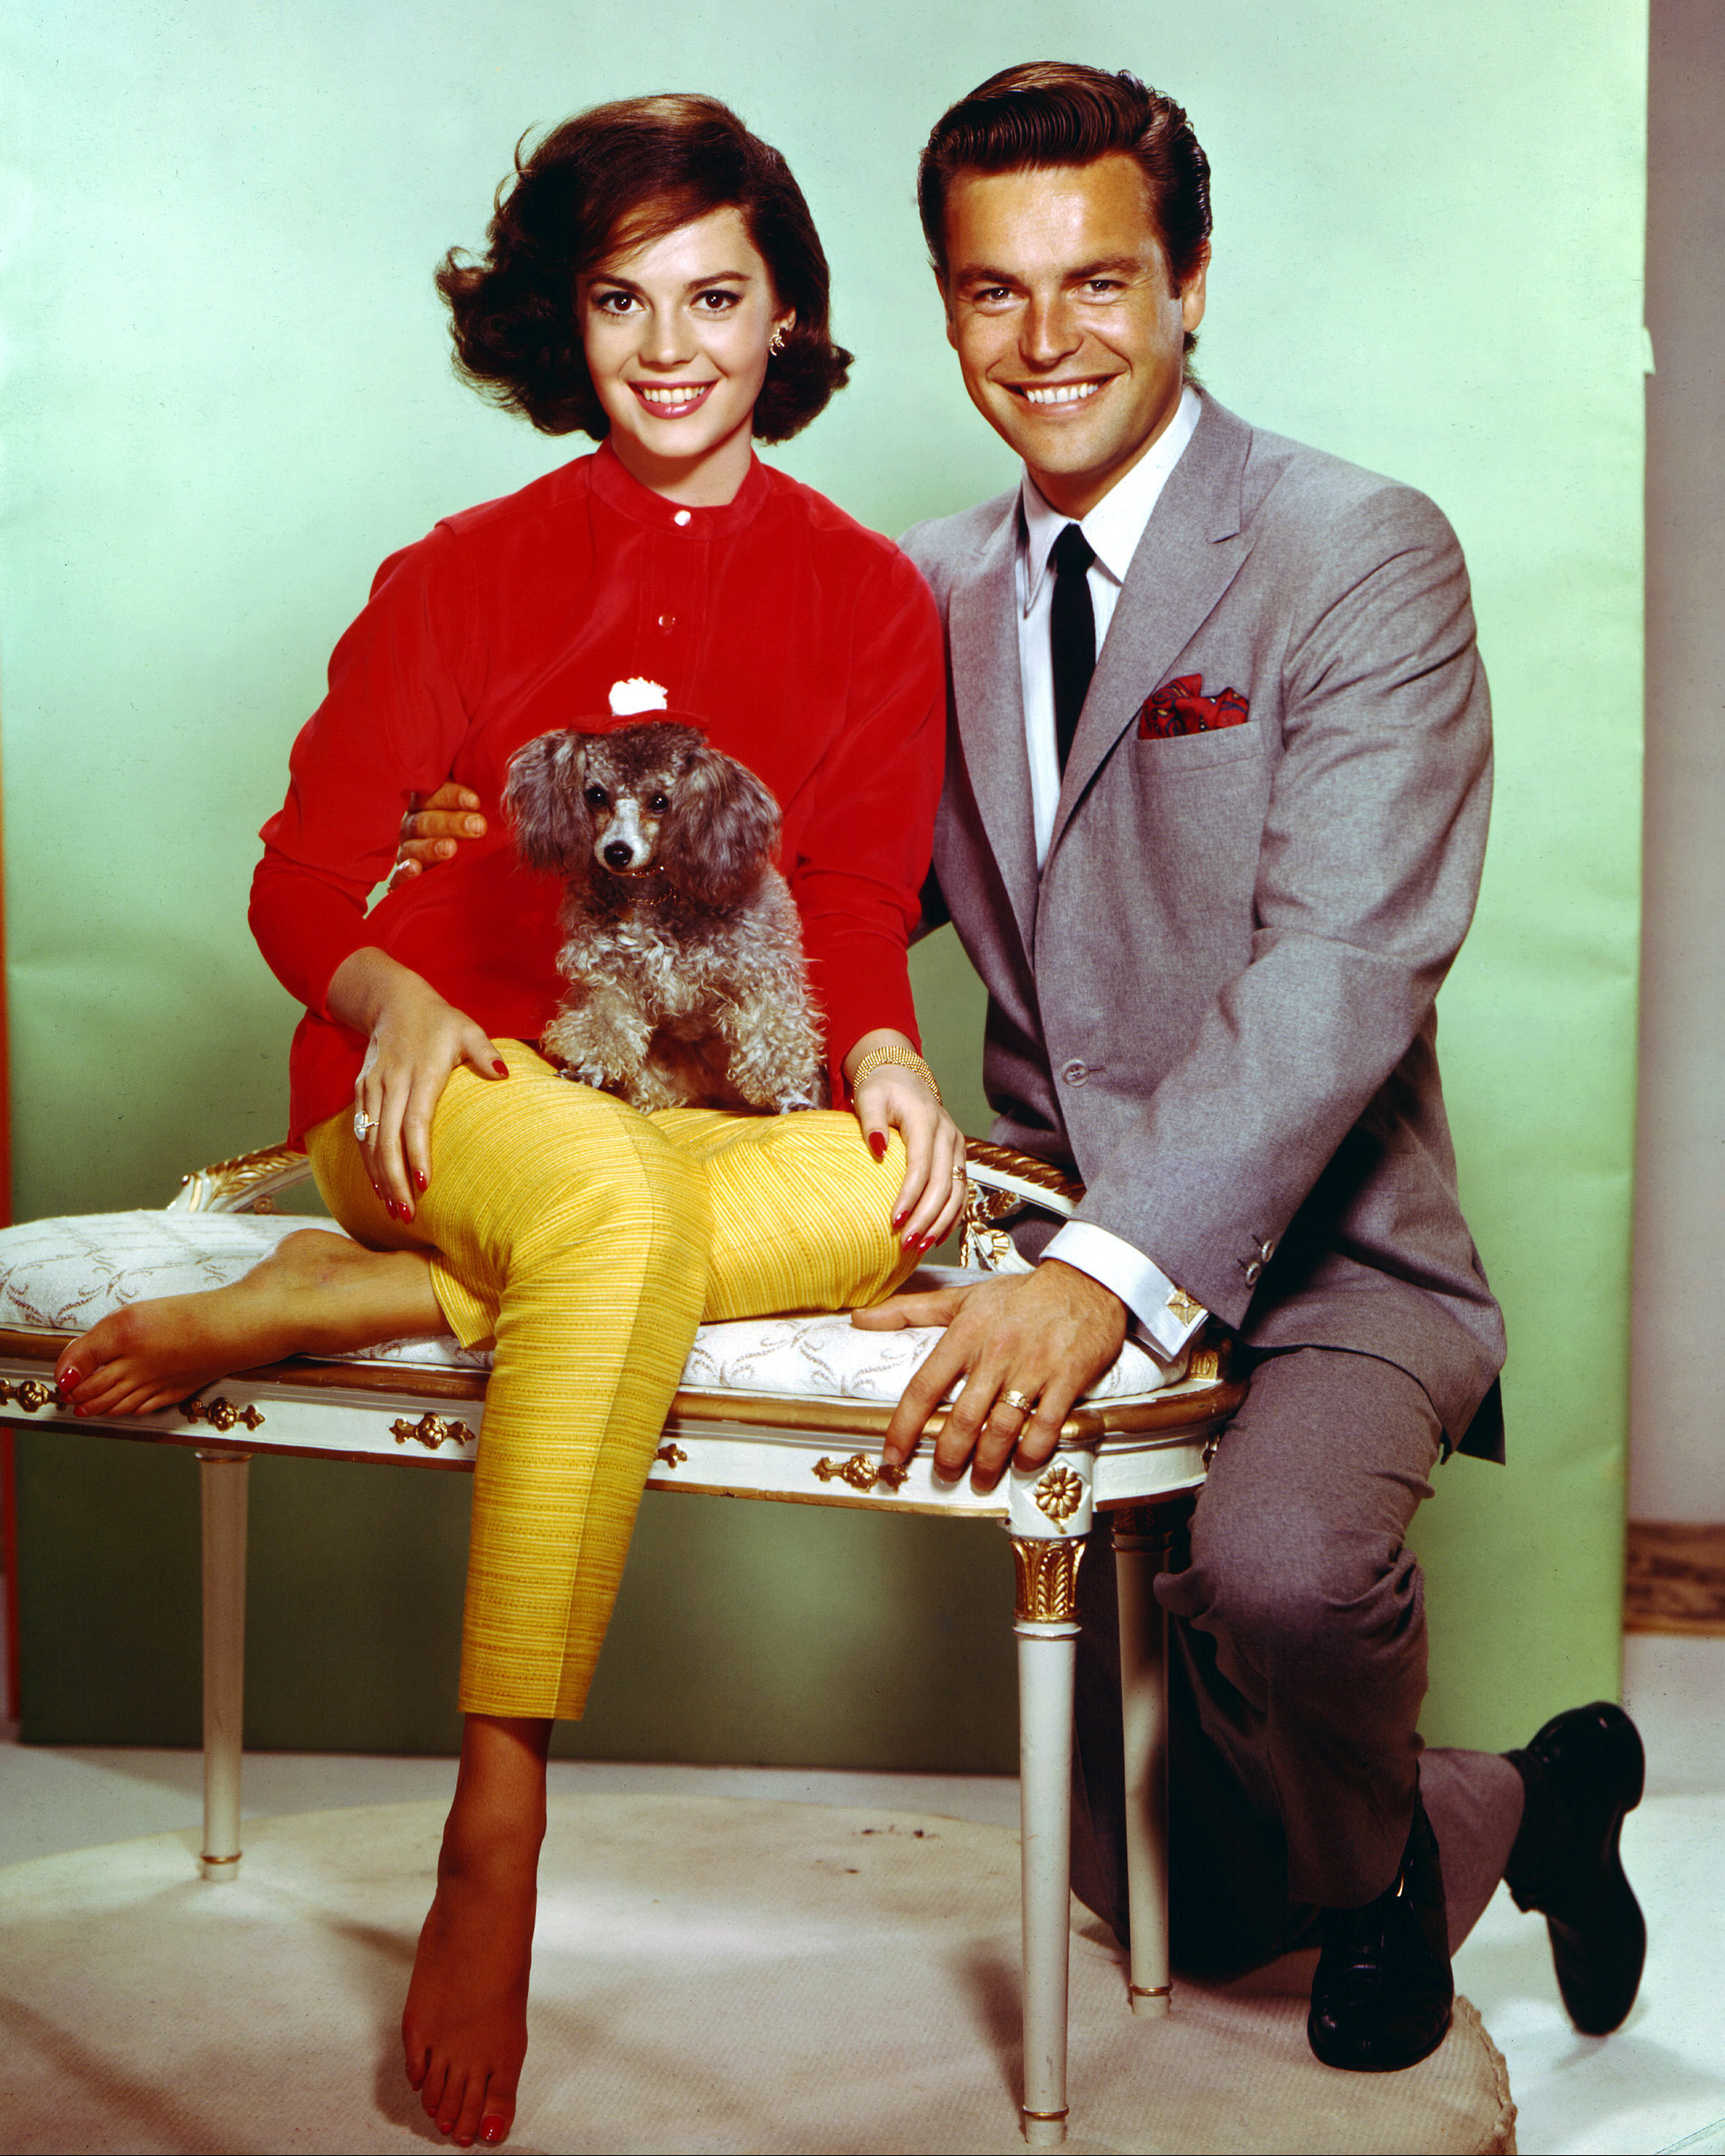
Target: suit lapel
x,y
989,704
1191,549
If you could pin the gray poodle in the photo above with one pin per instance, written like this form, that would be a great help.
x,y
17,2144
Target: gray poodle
x,y
683,956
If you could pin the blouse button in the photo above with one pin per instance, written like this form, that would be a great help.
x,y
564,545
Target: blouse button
x,y
667,621
681,517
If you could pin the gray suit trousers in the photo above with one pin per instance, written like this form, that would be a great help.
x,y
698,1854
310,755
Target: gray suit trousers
x,y
1296,1671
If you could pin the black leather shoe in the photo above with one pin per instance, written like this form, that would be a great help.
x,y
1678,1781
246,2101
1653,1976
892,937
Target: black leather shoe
x,y
1382,1992
1583,1772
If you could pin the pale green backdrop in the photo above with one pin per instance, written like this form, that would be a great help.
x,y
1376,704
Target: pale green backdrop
x,y
228,397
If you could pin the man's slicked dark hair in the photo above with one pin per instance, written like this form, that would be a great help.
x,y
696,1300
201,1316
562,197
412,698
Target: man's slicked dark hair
x,y
1056,112
631,173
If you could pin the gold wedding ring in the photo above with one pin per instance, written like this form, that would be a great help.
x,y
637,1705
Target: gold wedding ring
x,y
1017,1400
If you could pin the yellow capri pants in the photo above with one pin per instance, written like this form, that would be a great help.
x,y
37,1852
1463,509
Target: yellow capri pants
x,y
587,1241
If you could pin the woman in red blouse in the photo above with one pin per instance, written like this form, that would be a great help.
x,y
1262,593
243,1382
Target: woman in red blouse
x,y
652,278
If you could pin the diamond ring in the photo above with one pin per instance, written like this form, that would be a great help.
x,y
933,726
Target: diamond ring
x,y
1016,1401
363,1124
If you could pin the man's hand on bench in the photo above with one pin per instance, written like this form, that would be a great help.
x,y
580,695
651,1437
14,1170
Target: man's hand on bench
x,y
1042,1338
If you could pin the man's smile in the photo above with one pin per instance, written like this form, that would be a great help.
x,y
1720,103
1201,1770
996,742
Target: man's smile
x,y
1050,396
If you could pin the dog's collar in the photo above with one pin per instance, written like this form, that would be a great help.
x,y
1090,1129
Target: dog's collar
x,y
643,876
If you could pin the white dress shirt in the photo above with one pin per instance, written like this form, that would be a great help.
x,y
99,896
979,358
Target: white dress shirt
x,y
1166,1319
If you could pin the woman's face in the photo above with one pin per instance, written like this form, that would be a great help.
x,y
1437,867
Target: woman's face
x,y
676,334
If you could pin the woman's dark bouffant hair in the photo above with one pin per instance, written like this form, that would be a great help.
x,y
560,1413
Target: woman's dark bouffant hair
x,y
1056,112
635,170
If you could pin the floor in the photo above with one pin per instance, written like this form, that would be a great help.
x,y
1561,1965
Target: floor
x,y
1658,2085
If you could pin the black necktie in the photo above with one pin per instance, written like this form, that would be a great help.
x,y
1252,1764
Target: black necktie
x,y
1071,634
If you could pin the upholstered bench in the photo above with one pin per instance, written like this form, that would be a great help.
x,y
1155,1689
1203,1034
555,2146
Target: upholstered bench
x,y
786,1408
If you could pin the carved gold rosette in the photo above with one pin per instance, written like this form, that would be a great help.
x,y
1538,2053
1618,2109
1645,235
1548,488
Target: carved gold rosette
x,y
860,1471
1047,1580
221,1413
29,1393
1058,1495
431,1430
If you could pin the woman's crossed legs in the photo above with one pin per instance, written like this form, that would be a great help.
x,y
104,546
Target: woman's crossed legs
x,y
587,1241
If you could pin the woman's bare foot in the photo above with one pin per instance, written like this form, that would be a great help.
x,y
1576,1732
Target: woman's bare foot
x,y
464,2029
315,1294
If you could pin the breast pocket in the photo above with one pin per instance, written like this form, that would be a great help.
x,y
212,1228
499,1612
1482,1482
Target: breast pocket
x,y
1173,756
1180,727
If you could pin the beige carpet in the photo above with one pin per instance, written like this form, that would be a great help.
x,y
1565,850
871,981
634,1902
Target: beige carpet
x,y
710,1974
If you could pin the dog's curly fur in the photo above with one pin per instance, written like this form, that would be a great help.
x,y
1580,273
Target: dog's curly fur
x,y
682,952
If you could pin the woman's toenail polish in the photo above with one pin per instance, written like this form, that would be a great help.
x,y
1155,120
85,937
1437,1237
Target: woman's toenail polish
x,y
494,2130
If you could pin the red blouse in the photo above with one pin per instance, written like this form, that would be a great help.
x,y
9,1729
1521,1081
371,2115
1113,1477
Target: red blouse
x,y
810,646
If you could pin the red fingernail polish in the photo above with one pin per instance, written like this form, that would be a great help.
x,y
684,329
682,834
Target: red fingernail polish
x,y
420,1178
68,1381
501,1067
877,1144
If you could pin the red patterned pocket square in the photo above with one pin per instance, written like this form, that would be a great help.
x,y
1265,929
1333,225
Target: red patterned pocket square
x,y
1183,708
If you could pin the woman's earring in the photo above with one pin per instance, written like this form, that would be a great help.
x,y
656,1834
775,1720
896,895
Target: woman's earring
x,y
775,343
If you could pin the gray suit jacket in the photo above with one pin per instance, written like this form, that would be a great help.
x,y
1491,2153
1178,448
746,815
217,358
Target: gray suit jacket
x,y
1216,1001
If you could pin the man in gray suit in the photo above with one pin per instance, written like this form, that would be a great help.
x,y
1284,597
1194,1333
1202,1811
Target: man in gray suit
x,y
1218,773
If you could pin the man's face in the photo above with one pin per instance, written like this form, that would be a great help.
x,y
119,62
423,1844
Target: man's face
x,y
1062,311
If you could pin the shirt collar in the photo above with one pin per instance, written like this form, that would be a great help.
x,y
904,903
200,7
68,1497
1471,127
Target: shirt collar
x,y
1116,524
616,485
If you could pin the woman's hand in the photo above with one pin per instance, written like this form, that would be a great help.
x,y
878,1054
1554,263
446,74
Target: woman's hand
x,y
892,1098
432,829
416,1040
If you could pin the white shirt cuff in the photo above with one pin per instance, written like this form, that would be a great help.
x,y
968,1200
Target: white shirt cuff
x,y
1166,1319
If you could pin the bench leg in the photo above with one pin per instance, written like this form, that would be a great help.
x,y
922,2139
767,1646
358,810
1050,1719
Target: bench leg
x,y
1046,1622
223,1477
1144,1536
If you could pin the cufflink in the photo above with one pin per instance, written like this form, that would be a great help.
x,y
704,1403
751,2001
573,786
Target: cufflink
x,y
1181,1306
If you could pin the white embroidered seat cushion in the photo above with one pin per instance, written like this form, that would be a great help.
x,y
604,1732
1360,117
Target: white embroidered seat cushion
x,y
60,1276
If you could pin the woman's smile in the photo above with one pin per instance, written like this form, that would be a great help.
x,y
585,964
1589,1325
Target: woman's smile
x,y
671,401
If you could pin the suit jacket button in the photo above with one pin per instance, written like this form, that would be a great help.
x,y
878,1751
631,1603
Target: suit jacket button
x,y
1252,1272
1075,1073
